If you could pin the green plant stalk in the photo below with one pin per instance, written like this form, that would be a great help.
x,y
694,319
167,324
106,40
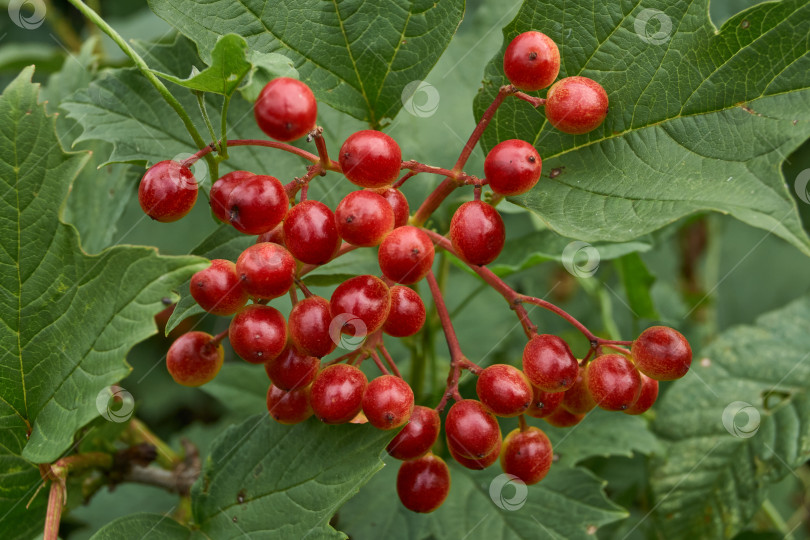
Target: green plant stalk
x,y
223,139
204,112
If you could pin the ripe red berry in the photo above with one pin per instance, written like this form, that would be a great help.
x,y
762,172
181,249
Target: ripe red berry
x,y
662,353
274,235
292,369
309,326
407,314
513,167
531,61
221,190
258,333
267,270
194,359
504,390
563,418
476,464
370,159
218,289
288,407
477,232
423,484
576,105
613,381
549,363
286,109
257,204
398,203
310,233
527,455
388,402
471,429
649,393
418,435
366,298
578,398
544,403
167,191
406,255
337,393
363,218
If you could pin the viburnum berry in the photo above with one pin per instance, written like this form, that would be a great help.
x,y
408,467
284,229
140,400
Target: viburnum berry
x,y
418,436
647,397
218,289
512,167
527,454
388,402
407,313
366,298
221,190
662,353
613,382
406,255
399,204
363,218
310,232
267,270
563,418
477,232
544,403
471,429
576,105
274,235
194,358
258,333
370,159
504,390
423,483
337,393
292,369
531,61
476,464
167,191
289,407
286,109
578,398
308,326
257,204
549,363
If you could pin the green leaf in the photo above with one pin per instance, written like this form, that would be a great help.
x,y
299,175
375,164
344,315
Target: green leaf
x,y
568,503
240,387
271,480
356,56
142,525
355,263
737,423
699,119
637,281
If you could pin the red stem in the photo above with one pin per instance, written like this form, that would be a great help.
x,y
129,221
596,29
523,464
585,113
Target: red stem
x,y
380,366
389,360
255,142
398,183
56,501
535,101
320,144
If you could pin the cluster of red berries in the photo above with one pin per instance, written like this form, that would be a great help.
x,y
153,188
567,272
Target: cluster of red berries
x,y
552,385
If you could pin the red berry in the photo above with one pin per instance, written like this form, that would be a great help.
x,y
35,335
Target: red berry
x,y
221,190
649,393
258,333
477,232
476,464
292,369
267,270
337,393
662,353
288,407
257,204
563,418
544,403
388,402
286,109
194,359
471,430
309,326
274,235
310,233
398,203
549,363
613,381
578,398
513,167
418,435
504,390
370,159
167,191
531,61
218,289
423,484
527,455
363,218
366,298
406,255
576,105
407,314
